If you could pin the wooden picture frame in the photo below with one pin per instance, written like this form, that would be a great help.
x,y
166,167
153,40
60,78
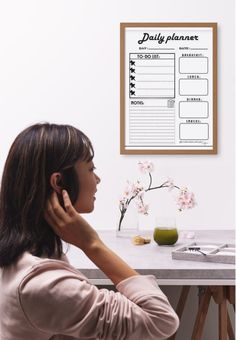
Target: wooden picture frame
x,y
168,88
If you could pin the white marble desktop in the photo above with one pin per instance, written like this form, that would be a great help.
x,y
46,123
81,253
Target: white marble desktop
x,y
157,260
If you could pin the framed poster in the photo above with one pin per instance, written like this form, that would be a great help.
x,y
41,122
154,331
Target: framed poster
x,y
168,88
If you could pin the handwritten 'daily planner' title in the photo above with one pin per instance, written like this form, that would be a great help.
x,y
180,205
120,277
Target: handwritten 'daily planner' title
x,y
164,39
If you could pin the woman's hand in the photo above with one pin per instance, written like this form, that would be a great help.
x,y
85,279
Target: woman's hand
x,y
72,228
68,224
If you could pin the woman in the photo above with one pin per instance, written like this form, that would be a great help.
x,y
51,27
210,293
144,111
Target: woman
x,y
48,180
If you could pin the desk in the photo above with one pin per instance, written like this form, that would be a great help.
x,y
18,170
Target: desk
x,y
157,260
215,279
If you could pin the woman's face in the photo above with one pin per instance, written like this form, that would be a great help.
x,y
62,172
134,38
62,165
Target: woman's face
x,y
88,182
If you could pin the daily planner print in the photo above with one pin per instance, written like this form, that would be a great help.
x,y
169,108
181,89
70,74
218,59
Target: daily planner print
x,y
168,84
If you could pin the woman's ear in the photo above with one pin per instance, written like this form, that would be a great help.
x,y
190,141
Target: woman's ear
x,y
56,182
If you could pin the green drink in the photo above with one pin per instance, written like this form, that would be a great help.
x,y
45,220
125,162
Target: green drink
x,y
165,235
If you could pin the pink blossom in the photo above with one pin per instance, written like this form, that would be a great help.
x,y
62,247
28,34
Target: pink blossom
x,y
140,194
184,189
131,190
170,184
128,190
146,166
186,200
142,208
137,187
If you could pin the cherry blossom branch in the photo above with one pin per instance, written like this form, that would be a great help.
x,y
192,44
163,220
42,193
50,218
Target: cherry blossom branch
x,y
185,200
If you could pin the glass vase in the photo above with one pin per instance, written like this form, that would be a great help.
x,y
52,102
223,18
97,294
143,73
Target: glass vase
x,y
130,225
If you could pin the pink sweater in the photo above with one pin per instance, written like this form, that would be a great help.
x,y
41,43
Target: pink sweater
x,y
49,299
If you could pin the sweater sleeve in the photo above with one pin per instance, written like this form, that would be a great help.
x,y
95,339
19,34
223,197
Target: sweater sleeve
x,y
59,301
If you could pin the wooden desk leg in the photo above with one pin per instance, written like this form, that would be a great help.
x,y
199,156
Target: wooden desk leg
x,y
181,304
201,315
220,297
201,292
230,329
182,300
230,295
223,320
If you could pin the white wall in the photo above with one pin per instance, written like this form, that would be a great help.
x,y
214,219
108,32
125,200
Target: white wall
x,y
59,62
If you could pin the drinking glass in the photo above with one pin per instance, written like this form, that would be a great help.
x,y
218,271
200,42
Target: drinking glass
x,y
165,232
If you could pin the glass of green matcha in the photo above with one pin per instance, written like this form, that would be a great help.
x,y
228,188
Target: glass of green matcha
x,y
165,232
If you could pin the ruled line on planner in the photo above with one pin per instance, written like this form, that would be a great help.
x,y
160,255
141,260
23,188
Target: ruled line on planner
x,y
154,128
151,119
156,49
154,88
175,146
146,138
154,136
151,110
155,65
154,81
151,115
163,135
155,73
167,123
147,106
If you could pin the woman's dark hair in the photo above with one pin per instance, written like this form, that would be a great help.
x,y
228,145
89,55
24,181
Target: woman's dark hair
x,y
36,153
